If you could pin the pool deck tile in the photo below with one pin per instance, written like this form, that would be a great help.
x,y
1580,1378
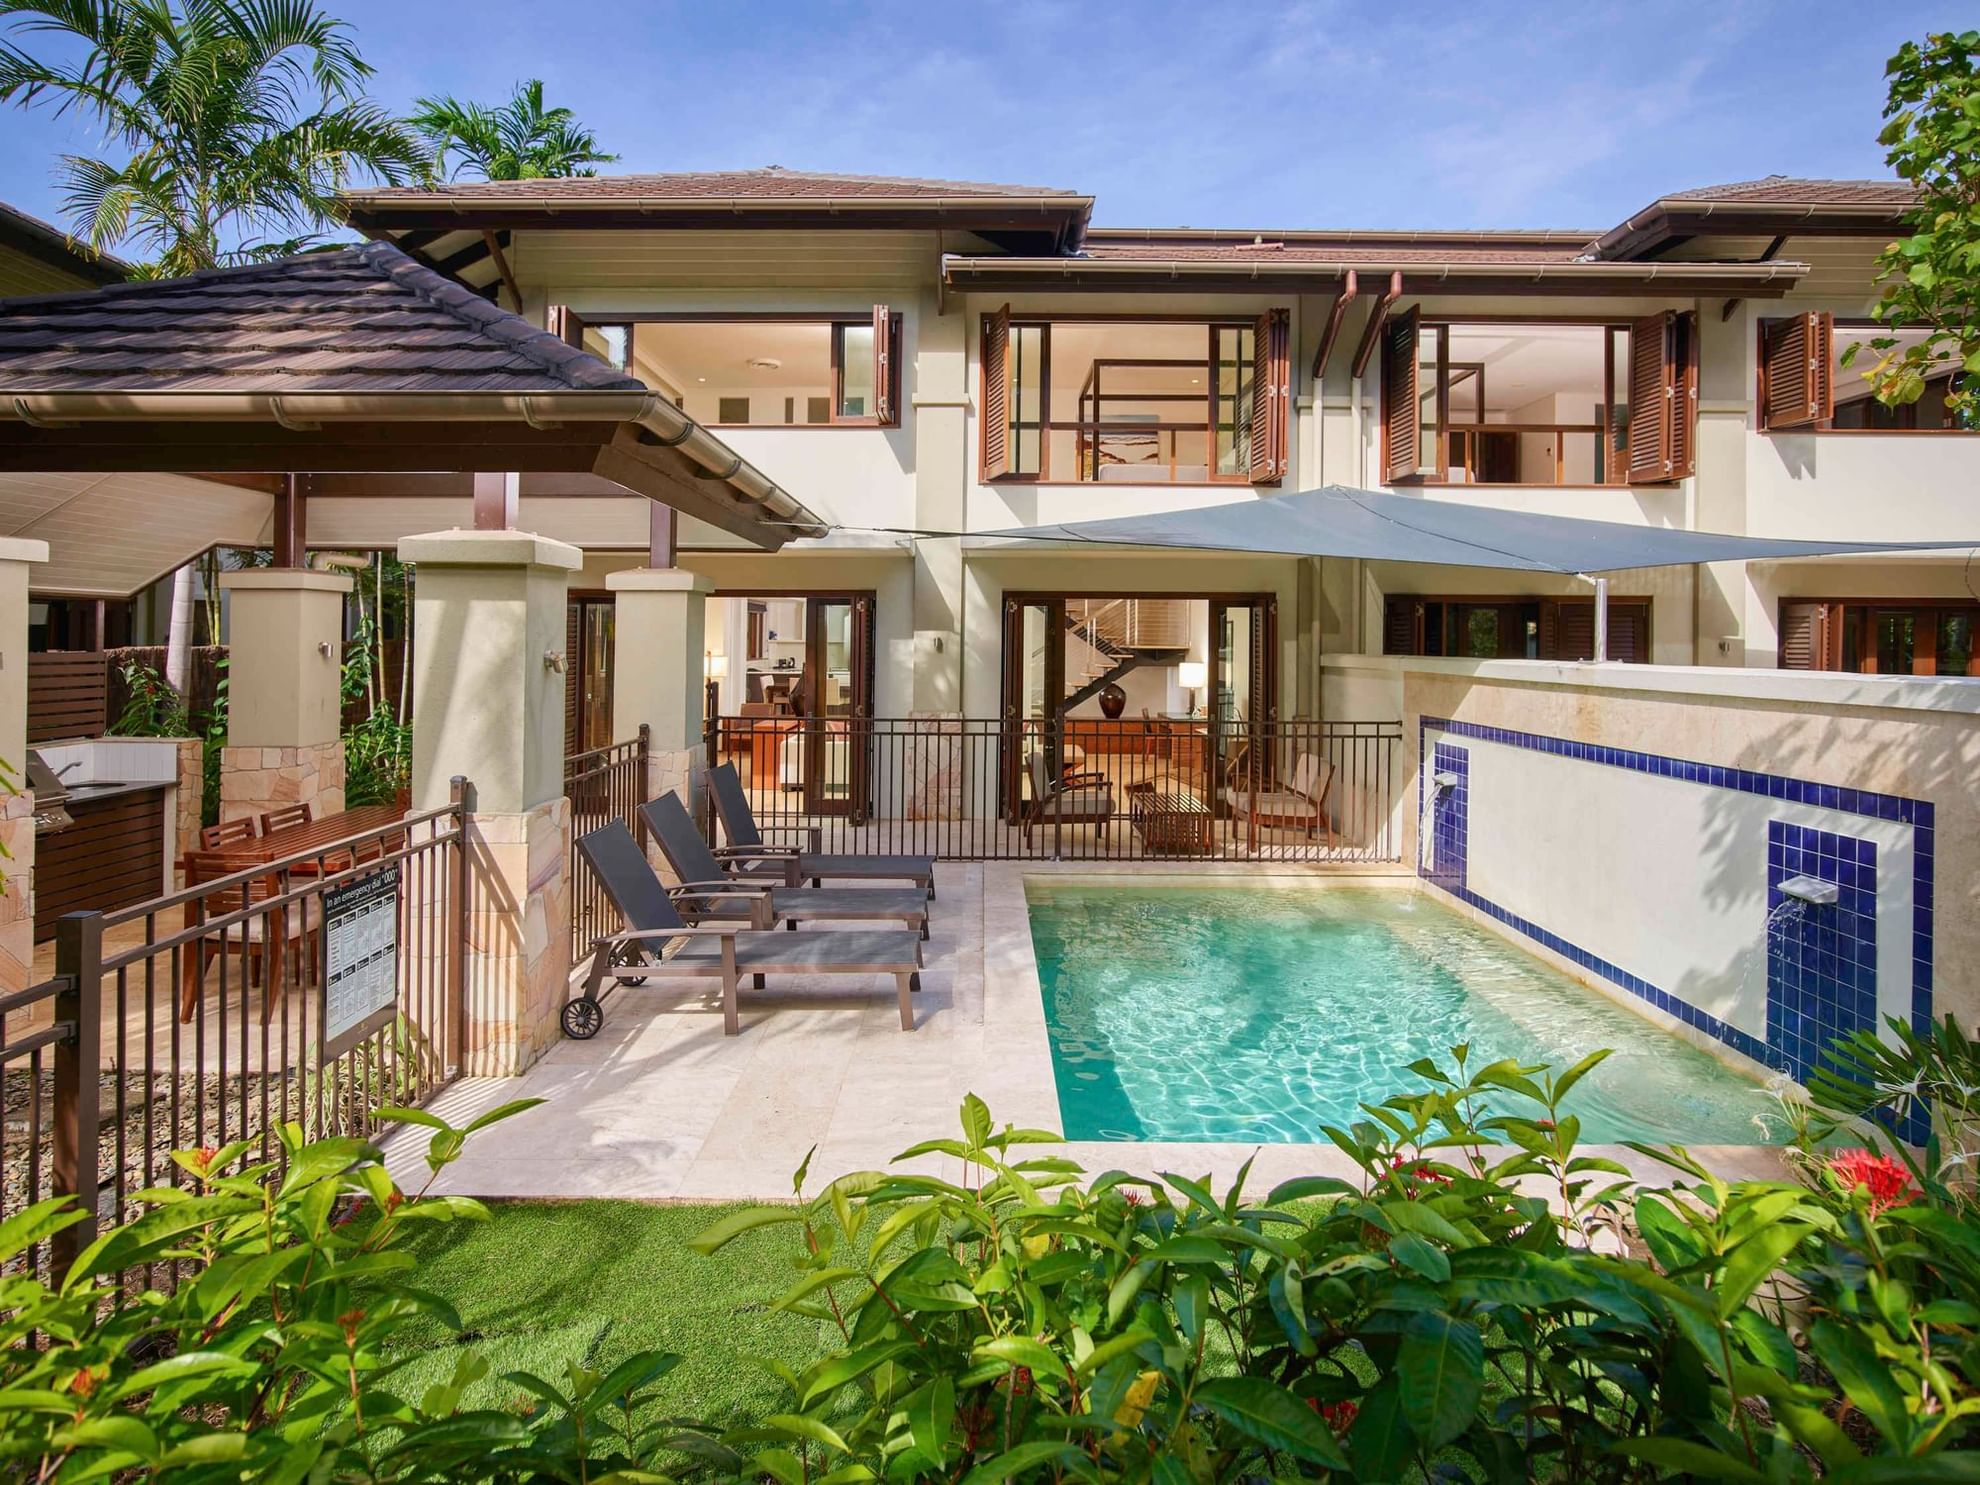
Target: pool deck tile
x,y
661,1106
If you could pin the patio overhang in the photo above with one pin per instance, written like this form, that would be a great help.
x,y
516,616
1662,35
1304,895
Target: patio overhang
x,y
358,362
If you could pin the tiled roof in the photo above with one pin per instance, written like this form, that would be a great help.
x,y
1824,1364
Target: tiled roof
x,y
357,320
1783,190
771,183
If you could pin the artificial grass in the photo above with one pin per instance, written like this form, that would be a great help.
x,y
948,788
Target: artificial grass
x,y
594,1281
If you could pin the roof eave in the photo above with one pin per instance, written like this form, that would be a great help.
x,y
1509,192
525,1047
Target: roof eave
x,y
1663,220
1754,280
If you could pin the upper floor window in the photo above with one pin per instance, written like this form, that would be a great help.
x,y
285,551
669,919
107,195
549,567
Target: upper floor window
x,y
1115,401
756,370
1537,402
1805,387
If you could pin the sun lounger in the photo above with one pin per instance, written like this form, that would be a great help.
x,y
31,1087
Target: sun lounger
x,y
753,856
727,950
697,866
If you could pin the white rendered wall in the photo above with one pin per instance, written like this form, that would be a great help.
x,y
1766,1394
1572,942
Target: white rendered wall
x,y
1664,878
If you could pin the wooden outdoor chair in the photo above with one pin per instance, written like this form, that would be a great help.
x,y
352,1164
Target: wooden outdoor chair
x,y
1072,799
265,963
1299,802
226,833
724,951
287,815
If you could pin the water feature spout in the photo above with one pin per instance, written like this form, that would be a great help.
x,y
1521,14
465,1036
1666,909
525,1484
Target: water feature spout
x,y
1810,891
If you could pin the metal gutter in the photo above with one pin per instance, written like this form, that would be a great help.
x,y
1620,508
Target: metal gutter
x,y
1419,274
352,202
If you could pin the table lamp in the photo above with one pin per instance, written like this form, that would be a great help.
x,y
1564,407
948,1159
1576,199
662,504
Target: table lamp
x,y
1192,676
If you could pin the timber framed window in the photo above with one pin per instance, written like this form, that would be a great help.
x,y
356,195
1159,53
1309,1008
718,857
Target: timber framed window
x,y
1880,636
771,369
1804,386
1491,628
1505,401
1102,400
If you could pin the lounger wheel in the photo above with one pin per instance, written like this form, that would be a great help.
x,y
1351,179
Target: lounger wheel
x,y
632,954
582,1018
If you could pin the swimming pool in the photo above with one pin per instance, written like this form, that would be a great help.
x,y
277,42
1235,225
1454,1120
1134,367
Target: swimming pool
x,y
1205,1011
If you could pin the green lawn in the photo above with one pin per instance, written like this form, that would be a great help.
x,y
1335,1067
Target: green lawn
x,y
593,1281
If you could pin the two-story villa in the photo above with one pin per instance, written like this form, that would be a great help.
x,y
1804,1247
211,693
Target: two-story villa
x,y
925,361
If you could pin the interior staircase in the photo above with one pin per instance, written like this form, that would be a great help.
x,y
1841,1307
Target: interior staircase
x,y
1124,634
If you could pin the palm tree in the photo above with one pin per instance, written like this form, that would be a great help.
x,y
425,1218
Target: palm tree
x,y
243,118
518,141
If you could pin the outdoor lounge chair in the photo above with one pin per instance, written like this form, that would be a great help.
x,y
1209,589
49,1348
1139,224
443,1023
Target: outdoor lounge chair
x,y
726,951
697,866
1300,801
753,857
1071,799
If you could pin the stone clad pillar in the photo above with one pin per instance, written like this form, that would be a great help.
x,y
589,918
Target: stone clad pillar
x,y
657,645
285,653
17,808
488,704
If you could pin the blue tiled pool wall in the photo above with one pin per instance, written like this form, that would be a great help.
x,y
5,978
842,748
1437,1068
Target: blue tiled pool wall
x,y
1821,960
1448,818
1916,813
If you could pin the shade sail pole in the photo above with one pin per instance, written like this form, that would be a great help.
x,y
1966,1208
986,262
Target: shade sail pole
x,y
1601,619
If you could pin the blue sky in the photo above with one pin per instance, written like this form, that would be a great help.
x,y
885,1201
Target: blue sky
x,y
1302,113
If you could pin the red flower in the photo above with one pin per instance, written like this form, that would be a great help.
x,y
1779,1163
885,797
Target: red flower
x,y
1888,1182
1421,1171
350,1320
1132,1198
1340,1415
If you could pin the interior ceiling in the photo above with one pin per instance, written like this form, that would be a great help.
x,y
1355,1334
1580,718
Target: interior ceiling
x,y
685,354
1537,361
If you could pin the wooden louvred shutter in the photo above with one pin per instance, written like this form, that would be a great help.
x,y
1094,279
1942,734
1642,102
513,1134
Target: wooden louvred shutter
x,y
1684,398
566,324
1796,390
1402,411
1402,626
997,393
1808,637
1652,399
1629,632
1574,631
1271,377
886,366
573,658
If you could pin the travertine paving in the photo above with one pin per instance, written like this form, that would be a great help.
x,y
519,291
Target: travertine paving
x,y
660,1105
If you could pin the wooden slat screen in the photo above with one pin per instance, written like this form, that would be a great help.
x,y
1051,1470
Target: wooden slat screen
x,y
1795,386
68,695
1271,377
111,857
1652,399
997,393
1402,412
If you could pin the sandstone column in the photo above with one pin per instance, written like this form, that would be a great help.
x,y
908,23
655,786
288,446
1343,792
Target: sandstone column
x,y
488,704
17,808
285,634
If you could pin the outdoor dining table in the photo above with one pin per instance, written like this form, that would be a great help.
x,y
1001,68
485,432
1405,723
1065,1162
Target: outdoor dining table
x,y
295,840
279,845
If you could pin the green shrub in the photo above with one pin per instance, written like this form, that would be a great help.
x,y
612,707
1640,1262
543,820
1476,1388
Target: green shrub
x,y
1466,1310
271,1358
151,707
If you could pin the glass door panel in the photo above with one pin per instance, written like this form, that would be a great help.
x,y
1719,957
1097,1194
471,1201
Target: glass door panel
x,y
830,703
1034,687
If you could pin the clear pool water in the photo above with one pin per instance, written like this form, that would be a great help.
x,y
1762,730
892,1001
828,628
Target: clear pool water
x,y
1201,1011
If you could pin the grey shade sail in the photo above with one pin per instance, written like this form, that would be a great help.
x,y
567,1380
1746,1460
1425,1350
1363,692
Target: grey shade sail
x,y
1337,521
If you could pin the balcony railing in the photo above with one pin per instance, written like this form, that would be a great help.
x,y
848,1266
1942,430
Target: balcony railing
x,y
1087,789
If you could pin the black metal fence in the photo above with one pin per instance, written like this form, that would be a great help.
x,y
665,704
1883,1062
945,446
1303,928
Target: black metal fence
x,y
602,785
212,1015
1087,789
